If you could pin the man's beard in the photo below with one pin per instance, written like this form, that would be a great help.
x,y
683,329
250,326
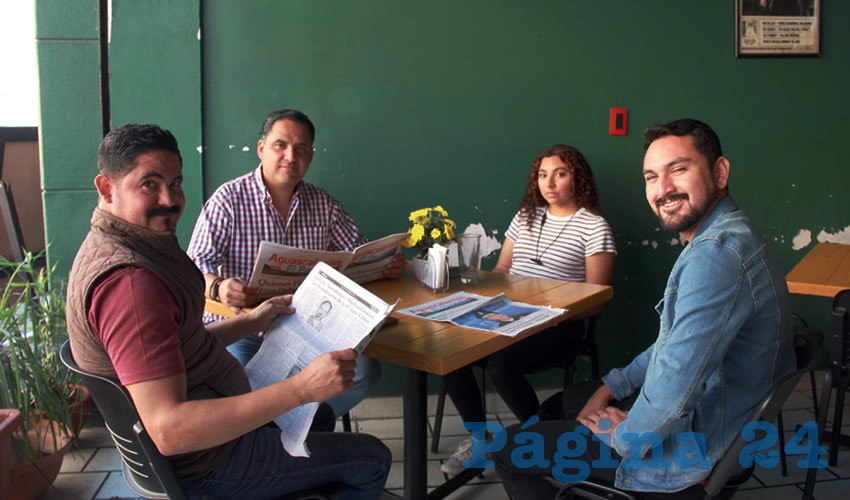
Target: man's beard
x,y
690,219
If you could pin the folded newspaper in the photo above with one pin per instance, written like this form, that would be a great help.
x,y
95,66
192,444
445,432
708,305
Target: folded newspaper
x,y
493,314
332,312
279,269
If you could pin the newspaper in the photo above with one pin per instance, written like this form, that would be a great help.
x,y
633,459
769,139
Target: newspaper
x,y
496,314
279,269
331,313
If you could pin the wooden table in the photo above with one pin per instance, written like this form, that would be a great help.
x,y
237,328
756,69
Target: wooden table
x,y
824,271
425,346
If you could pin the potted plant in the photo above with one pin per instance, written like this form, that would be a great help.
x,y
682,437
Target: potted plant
x,y
32,377
10,419
430,233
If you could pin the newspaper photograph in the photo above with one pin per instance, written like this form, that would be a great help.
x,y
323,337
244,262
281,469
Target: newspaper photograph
x,y
332,312
496,314
776,27
280,269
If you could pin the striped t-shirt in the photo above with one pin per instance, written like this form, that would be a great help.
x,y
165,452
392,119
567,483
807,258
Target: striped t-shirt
x,y
563,244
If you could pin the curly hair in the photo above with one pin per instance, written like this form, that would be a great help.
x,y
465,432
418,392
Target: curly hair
x,y
584,187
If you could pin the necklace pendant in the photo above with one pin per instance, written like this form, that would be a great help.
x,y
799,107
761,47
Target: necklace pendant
x,y
537,261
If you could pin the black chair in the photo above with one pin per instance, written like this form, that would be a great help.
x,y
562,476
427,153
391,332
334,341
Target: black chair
x,y
840,367
586,348
10,220
837,373
803,337
146,471
728,473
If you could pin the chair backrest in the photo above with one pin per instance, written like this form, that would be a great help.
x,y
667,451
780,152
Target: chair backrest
x,y
841,334
10,220
147,472
808,352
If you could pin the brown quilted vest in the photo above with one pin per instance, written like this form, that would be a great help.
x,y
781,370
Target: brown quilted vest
x,y
211,372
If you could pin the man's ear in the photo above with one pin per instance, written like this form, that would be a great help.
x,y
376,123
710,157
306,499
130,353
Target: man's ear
x,y
721,172
260,147
104,187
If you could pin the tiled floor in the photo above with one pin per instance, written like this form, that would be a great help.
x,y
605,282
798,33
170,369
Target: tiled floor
x,y
92,470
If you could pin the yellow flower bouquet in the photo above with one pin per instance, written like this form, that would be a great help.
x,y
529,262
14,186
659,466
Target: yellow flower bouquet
x,y
430,225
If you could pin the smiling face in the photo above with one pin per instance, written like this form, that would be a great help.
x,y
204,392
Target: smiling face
x,y
286,152
150,195
555,181
681,187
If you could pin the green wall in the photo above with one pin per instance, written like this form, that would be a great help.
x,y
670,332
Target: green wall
x,y
155,77
420,103
67,43
446,102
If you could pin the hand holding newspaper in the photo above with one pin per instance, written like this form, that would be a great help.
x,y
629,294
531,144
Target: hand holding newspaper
x,y
332,312
280,268
493,314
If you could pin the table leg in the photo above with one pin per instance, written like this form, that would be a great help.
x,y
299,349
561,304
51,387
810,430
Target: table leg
x,y
415,439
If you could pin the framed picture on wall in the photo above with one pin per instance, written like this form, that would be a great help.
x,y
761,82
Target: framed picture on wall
x,y
777,27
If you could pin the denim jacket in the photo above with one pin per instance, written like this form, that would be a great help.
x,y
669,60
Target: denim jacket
x,y
725,338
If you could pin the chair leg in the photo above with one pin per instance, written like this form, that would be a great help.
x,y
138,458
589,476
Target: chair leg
x,y
780,426
594,361
836,421
482,386
811,474
346,422
438,418
814,393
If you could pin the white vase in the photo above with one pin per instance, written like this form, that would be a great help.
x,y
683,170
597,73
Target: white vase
x,y
434,277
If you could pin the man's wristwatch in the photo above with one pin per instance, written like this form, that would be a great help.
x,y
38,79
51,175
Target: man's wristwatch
x,y
214,288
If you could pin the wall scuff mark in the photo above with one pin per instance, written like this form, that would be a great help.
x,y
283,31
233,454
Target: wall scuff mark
x,y
802,240
842,236
488,244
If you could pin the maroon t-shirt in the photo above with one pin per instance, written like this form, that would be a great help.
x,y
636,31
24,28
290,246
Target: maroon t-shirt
x,y
137,319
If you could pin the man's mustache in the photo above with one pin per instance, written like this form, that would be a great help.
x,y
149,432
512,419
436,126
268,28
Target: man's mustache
x,y
669,198
172,210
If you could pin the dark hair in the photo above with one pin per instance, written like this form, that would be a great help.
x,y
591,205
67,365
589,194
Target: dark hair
x,y
117,153
584,187
287,114
705,140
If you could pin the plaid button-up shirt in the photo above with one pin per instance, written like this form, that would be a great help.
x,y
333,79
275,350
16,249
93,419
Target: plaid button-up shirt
x,y
240,214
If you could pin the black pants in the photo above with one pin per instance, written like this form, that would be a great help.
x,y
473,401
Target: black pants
x,y
537,482
507,369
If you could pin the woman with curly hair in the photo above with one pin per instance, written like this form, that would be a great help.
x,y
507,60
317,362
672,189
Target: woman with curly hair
x,y
559,232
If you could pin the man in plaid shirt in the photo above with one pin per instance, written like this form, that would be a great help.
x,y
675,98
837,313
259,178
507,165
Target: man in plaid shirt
x,y
273,203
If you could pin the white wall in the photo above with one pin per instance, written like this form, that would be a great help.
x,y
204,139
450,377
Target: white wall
x,y
18,73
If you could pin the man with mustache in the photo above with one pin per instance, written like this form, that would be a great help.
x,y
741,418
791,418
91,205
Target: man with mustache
x,y
135,302
273,203
724,339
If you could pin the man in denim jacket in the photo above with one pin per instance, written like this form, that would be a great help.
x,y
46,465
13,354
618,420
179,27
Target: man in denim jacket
x,y
725,338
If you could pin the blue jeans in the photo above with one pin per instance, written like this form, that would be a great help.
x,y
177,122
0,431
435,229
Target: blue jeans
x,y
258,467
366,374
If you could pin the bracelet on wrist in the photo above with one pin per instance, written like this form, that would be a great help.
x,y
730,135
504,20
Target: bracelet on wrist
x,y
214,288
